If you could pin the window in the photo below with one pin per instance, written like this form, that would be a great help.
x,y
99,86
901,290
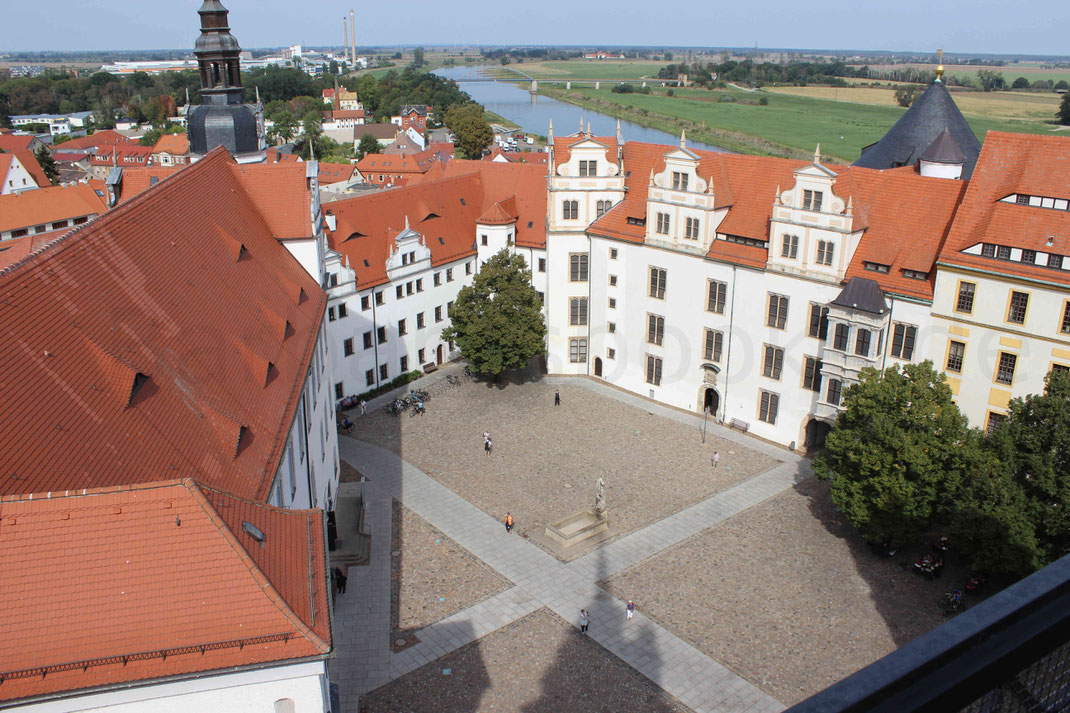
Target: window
x,y
612,280
365,303
384,372
715,297
402,331
789,246
368,340
839,342
449,308
343,311
819,321
778,311
399,291
381,334
379,299
369,377
1055,261
602,207
588,168
1005,369
653,370
437,279
955,353
332,279
812,200
691,229
612,253
330,314
570,210
420,355
995,420
657,282
577,351
347,347
59,223
812,374
768,407
1017,308
20,232
1029,256
404,364
862,340
1065,326
81,220
1003,252
438,313
774,362
577,267
420,320
408,288
903,338
679,181
449,274
577,311
967,290
988,250
834,392
39,228
468,268
662,224
420,285
611,354
339,390
611,327
542,264
714,343
825,250
655,329
483,239
613,303
915,275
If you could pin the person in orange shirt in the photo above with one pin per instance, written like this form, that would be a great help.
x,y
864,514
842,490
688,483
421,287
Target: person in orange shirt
x,y
508,522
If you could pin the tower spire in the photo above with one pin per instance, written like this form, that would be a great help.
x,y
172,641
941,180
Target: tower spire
x,y
939,65
683,138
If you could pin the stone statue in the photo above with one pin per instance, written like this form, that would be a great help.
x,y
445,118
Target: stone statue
x,y
600,494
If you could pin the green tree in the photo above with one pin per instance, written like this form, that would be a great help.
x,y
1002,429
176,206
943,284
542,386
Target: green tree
x,y
990,79
47,164
1063,115
472,131
1020,83
497,321
897,452
1061,84
368,144
905,94
418,57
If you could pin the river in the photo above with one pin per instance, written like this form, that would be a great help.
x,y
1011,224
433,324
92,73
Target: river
x,y
533,112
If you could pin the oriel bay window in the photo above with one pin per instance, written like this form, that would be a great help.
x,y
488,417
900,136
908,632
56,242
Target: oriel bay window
x,y
834,392
862,341
843,333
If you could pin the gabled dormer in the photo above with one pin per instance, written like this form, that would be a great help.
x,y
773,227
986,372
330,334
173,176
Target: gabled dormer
x,y
408,254
811,231
588,158
680,202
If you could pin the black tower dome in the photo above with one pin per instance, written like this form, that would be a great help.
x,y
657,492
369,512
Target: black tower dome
x,y
223,119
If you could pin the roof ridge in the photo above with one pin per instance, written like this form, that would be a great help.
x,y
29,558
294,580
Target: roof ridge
x,y
87,492
254,570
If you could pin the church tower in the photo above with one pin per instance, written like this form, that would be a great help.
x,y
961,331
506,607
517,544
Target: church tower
x,y
223,119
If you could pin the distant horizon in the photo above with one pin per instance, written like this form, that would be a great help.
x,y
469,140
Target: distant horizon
x,y
961,27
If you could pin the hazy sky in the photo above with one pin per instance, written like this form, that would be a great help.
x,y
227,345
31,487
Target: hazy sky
x,y
988,26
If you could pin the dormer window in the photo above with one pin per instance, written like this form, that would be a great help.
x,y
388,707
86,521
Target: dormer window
x,y
875,267
588,168
679,181
915,275
812,200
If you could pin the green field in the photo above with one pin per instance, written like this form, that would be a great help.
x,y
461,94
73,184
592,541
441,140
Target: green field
x,y
788,125
590,69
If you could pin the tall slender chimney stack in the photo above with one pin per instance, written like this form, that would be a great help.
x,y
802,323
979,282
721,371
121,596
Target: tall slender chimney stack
x,y
345,38
353,35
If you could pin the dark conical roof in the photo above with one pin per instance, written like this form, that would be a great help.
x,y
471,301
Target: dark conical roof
x,y
862,293
933,113
944,150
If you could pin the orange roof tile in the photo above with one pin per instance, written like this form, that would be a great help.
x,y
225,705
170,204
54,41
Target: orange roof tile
x,y
29,162
47,205
121,155
167,583
99,138
137,179
335,172
133,381
1014,164
10,143
281,195
176,144
396,163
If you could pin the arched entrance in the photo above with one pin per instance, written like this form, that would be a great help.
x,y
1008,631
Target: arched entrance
x,y
438,354
598,366
816,432
711,400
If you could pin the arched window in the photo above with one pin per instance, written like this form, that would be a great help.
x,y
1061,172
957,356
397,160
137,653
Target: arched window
x,y
285,705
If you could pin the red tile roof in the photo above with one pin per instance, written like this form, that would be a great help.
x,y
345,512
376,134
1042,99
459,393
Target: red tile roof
x,y
1014,164
48,205
138,179
281,194
347,114
99,138
10,143
518,156
121,155
143,361
368,225
162,574
335,172
175,144
29,162
375,163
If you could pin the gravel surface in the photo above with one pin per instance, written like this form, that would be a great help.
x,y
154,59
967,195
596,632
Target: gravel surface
x,y
538,664
787,595
432,577
546,459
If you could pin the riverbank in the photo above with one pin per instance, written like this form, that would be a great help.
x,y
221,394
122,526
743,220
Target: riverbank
x,y
491,118
730,140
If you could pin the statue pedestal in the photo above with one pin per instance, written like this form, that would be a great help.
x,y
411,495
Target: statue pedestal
x,y
578,527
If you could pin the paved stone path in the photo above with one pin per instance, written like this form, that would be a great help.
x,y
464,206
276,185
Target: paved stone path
x,y
362,616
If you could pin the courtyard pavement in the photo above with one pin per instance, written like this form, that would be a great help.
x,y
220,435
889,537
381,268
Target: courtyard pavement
x,y
364,660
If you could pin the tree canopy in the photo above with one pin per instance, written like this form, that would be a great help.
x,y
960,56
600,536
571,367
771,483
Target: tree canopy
x,y
368,144
1063,115
471,129
497,321
48,165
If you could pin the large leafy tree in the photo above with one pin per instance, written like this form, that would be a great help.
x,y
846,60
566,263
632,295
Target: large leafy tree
x,y
1063,114
47,164
897,453
368,144
497,321
472,131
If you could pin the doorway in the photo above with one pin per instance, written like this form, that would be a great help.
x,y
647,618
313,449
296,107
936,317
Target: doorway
x,y
438,355
711,401
598,366
816,432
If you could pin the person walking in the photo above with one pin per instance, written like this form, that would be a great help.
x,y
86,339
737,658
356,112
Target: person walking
x,y
716,459
508,522
557,397
488,445
630,608
340,580
486,436
363,407
585,619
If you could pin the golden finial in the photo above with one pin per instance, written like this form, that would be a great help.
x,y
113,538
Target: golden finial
x,y
939,65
